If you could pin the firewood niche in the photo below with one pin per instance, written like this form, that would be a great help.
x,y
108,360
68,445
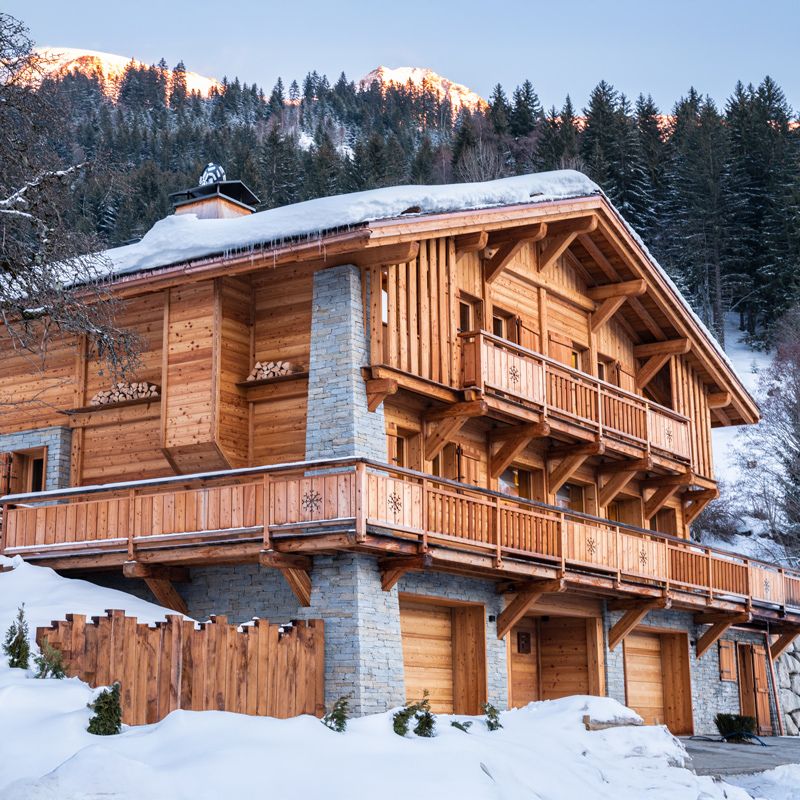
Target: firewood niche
x,y
124,391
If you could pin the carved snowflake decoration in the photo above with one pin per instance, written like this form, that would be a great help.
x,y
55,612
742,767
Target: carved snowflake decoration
x,y
513,375
668,434
643,557
591,546
395,502
767,587
312,500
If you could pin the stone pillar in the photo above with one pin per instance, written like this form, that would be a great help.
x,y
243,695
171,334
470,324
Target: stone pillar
x,y
57,440
339,424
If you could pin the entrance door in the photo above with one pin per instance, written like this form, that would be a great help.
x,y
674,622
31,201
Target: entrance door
x,y
657,679
754,686
444,652
525,687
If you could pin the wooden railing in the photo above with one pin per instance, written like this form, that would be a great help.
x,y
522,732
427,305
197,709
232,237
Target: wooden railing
x,y
497,364
259,504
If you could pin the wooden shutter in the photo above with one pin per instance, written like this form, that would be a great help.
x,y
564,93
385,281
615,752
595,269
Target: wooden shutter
x,y
727,660
5,473
763,715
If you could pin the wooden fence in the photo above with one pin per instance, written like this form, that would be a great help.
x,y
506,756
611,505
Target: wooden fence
x,y
263,669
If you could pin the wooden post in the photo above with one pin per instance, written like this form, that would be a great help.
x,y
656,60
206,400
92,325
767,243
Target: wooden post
x,y
131,522
3,528
619,568
266,517
361,490
497,542
710,576
425,489
563,536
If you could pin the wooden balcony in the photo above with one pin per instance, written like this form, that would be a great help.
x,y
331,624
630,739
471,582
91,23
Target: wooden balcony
x,y
498,366
303,508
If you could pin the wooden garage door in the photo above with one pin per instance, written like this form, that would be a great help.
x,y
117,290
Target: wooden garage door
x,y
644,683
564,657
427,631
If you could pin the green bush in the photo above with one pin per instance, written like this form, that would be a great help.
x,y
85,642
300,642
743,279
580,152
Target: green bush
x,y
16,645
462,726
731,724
50,663
336,718
107,719
421,712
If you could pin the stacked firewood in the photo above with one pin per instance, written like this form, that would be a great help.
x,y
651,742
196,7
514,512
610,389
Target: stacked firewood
x,y
270,369
120,392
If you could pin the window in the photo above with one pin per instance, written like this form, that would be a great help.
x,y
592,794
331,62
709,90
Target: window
x,y
469,318
403,447
25,470
626,512
727,660
445,465
570,497
504,325
608,370
516,482
665,521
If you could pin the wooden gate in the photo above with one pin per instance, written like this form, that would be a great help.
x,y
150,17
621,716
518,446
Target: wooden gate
x,y
265,669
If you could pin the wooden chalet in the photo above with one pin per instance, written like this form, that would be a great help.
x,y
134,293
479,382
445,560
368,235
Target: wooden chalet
x,y
484,406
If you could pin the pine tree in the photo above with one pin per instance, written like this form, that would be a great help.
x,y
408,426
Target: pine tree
x,y
107,718
526,111
276,99
422,164
492,717
16,645
499,110
336,718
177,88
50,662
599,133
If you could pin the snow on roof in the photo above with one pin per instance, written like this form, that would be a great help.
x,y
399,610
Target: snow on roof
x,y
184,237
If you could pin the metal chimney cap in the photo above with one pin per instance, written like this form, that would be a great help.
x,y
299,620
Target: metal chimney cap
x,y
213,173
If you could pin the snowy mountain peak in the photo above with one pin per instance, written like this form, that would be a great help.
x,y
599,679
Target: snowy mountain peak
x,y
59,61
458,95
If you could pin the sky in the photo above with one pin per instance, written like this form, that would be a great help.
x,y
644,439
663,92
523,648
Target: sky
x,y
661,48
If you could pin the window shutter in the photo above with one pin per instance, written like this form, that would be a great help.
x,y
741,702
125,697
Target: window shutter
x,y
5,473
727,660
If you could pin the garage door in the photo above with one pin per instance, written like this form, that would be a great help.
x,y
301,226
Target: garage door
x,y
644,683
427,631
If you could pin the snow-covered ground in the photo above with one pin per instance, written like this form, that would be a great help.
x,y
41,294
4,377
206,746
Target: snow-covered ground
x,y
543,751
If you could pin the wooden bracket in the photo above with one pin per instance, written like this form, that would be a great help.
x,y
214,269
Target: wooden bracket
x,y
613,486
137,569
621,289
637,465
378,389
658,500
384,255
719,400
393,568
471,242
513,441
782,644
444,423
716,617
572,459
711,636
657,354
166,594
629,620
605,311
650,369
521,604
296,571
695,500
493,266
681,479
562,238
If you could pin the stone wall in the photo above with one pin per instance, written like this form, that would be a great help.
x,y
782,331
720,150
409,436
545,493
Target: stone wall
x,y
57,441
339,423
710,695
787,673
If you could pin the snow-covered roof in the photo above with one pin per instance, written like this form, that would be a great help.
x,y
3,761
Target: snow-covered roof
x,y
184,237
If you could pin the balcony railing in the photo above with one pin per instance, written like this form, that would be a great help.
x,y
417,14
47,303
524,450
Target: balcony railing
x,y
260,505
499,365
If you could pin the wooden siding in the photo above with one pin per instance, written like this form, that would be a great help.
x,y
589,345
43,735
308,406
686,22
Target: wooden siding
x,y
691,400
259,669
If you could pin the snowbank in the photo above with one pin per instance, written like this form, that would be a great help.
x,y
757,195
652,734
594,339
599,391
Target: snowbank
x,y
184,237
543,750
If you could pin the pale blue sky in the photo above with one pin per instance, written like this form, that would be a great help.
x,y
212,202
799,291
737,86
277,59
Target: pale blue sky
x,y
561,45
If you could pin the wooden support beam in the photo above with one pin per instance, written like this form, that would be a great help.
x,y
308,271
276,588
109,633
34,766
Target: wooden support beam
x,y
392,569
605,311
637,465
658,500
681,479
716,617
782,644
628,621
528,233
471,242
720,414
595,448
628,603
562,238
533,429
711,636
136,569
719,400
296,571
613,486
650,369
671,347
166,594
566,468
695,500
378,389
493,266
444,423
522,603
512,446
621,289
385,255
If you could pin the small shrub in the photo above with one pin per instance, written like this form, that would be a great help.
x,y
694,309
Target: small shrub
x,y
731,724
462,726
107,719
492,717
16,645
50,664
426,722
402,718
336,718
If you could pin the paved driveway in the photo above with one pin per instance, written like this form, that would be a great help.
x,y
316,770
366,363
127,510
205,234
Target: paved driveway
x,y
717,758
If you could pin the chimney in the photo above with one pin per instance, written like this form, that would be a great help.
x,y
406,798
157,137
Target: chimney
x,y
215,197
